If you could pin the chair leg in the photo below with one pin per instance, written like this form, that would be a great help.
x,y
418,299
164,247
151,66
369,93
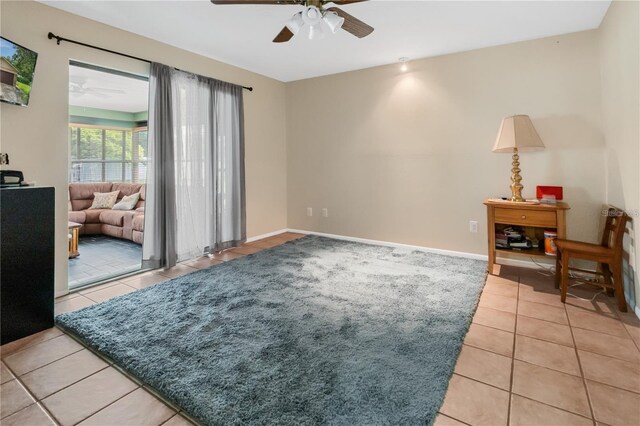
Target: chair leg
x,y
606,273
618,285
565,277
558,268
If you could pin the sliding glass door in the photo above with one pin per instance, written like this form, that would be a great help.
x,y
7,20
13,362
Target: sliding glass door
x,y
107,155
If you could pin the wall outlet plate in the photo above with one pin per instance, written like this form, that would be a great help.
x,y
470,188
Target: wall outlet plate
x,y
309,211
473,226
325,212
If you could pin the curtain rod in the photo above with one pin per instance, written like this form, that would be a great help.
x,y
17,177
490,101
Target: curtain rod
x,y
59,39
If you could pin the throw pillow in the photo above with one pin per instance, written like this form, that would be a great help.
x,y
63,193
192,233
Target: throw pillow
x,y
104,200
128,202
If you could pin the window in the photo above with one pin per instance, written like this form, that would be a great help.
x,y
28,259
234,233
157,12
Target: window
x,y
100,154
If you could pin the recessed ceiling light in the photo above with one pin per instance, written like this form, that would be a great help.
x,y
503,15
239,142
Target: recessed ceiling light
x,y
403,60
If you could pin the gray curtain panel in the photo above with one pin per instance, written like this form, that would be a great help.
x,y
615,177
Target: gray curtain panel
x,y
227,129
196,182
158,249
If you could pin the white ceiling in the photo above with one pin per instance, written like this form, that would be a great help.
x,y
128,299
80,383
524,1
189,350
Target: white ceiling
x,y
97,89
241,35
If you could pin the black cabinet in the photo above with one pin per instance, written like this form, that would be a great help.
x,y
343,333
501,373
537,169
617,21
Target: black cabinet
x,y
27,261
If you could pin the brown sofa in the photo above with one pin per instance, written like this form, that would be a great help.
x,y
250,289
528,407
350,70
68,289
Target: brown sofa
x,y
126,224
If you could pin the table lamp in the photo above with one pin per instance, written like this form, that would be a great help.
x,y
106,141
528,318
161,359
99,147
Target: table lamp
x,y
517,134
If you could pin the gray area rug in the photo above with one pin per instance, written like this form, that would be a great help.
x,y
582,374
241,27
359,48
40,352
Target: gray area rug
x,y
316,331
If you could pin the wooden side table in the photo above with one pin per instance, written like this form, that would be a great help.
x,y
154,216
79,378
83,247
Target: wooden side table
x,y
535,218
74,232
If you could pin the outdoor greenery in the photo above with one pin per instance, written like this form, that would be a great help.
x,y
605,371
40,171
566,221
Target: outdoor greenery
x,y
26,89
102,154
24,61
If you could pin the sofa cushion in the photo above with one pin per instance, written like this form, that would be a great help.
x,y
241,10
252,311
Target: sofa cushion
x,y
119,225
143,197
91,229
77,217
137,237
81,194
138,223
128,202
112,217
126,188
104,200
93,215
110,230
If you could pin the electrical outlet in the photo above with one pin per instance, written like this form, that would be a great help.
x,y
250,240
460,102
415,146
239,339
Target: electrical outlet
x,y
309,211
473,226
325,212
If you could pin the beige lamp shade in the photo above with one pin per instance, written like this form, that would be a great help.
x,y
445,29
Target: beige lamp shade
x,y
517,131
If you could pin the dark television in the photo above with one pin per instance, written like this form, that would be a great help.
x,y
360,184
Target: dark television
x,y
17,66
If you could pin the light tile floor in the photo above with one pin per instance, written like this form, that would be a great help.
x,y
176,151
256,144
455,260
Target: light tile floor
x,y
528,359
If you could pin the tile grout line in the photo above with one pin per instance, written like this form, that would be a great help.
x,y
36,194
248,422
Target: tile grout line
x,y
553,406
624,325
71,384
513,352
541,366
29,345
511,393
52,362
584,380
108,405
36,401
48,363
449,417
98,287
111,281
137,382
478,381
129,376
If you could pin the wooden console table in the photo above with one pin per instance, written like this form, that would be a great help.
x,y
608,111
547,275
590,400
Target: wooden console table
x,y
535,218
74,232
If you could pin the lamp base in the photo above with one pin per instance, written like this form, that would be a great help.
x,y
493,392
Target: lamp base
x,y
516,186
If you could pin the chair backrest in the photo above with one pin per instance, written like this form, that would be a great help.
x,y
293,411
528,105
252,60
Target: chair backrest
x,y
614,229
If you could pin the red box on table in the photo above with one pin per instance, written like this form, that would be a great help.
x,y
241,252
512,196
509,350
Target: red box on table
x,y
549,190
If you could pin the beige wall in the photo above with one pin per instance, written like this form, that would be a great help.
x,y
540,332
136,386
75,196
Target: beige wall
x,y
620,72
406,157
36,137
402,157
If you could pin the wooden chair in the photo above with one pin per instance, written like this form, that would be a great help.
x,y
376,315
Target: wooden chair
x,y
608,255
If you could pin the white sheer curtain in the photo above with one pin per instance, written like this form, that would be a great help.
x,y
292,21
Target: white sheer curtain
x,y
193,166
205,155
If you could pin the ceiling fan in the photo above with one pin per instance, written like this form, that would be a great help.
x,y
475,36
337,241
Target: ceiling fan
x,y
78,87
314,16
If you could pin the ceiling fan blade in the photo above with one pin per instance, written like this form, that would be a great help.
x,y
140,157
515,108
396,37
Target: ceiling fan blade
x,y
353,24
284,35
223,2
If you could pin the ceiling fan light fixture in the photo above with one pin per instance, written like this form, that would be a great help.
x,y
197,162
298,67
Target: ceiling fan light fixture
x,y
296,23
333,21
312,15
316,32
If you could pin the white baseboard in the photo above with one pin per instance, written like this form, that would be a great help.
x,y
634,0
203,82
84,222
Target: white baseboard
x,y
390,244
503,261
270,234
